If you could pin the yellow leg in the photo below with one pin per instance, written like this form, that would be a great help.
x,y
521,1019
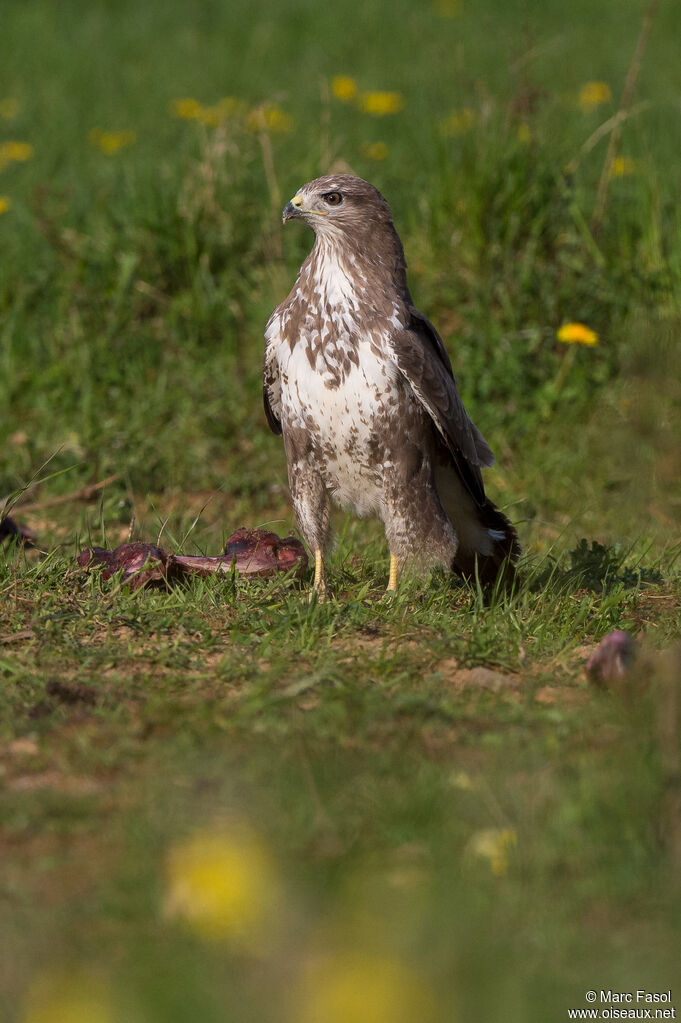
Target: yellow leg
x,y
392,578
319,585
318,569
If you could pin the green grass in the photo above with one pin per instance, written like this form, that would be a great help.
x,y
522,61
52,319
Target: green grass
x,y
347,736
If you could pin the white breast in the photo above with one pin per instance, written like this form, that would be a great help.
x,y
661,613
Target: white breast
x,y
342,422
336,400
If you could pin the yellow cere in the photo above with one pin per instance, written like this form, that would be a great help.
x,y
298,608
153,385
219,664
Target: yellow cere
x,y
577,334
375,150
355,988
67,998
344,88
9,108
593,94
494,845
109,142
378,104
5,204
457,122
223,884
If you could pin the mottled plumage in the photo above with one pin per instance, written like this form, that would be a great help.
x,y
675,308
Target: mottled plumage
x,y
361,386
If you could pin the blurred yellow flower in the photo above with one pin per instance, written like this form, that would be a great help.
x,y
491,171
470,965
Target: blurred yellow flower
x,y
494,845
269,117
67,998
221,111
375,150
210,117
524,132
5,203
192,110
622,166
224,884
461,780
111,141
15,152
593,94
457,122
447,8
189,109
380,103
577,334
9,108
356,988
344,88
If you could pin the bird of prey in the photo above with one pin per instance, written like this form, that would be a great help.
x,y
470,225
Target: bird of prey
x,y
361,387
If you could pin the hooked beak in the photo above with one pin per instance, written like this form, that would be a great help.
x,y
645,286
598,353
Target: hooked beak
x,y
292,208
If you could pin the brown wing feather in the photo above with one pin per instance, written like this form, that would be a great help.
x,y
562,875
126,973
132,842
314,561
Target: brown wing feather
x,y
421,357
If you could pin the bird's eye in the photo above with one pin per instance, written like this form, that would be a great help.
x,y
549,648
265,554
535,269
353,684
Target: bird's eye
x,y
332,198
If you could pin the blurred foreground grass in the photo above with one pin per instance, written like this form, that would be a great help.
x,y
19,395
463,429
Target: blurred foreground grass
x,y
222,802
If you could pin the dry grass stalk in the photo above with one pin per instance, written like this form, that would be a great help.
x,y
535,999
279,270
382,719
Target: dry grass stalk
x,y
622,113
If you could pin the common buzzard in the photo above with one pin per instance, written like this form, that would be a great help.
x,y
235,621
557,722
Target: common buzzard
x,y
361,387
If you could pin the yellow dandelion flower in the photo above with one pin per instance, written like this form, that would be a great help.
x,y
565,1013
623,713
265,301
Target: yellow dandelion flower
x,y
9,108
593,94
15,152
188,109
210,116
111,141
378,104
461,780
230,106
224,885
68,998
269,117
494,845
524,132
5,204
344,88
375,150
577,334
277,120
355,988
457,122
623,166
447,8
222,111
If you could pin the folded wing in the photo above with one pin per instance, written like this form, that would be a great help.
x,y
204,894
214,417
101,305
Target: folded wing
x,y
419,354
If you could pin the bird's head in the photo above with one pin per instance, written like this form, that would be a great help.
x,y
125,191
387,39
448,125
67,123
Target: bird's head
x,y
339,203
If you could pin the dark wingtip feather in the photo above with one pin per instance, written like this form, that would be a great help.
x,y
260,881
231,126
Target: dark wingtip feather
x,y
272,421
498,567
